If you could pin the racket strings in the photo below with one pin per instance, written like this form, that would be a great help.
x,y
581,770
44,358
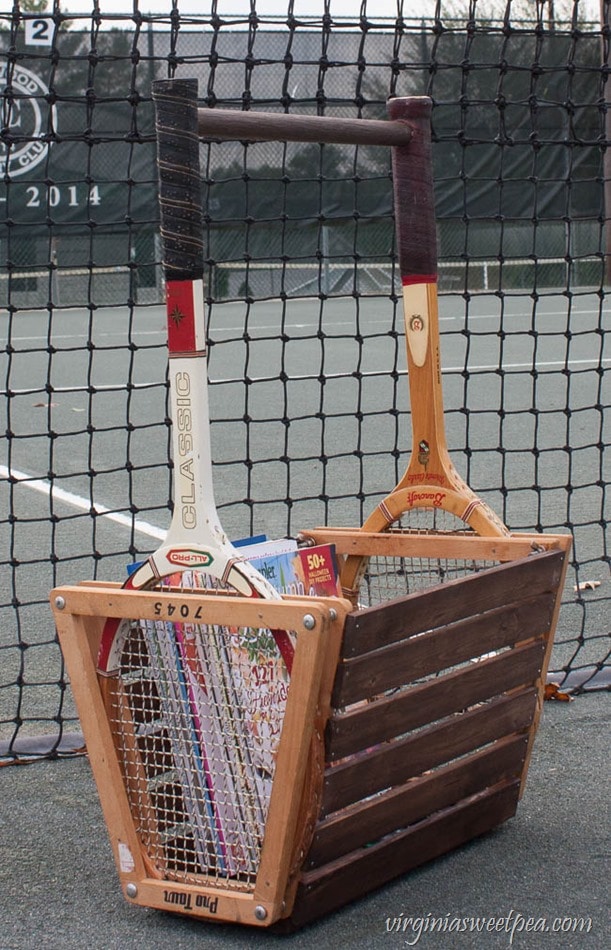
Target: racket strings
x,y
196,713
388,576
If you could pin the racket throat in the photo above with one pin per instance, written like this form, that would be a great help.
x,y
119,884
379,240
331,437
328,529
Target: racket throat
x,y
195,539
430,462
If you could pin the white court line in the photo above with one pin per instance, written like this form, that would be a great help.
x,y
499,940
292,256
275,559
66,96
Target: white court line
x,y
547,364
256,328
77,501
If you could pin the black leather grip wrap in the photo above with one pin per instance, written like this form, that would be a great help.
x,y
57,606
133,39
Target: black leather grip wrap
x,y
180,190
413,190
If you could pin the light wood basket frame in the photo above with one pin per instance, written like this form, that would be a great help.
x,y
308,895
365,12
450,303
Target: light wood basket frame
x,y
311,862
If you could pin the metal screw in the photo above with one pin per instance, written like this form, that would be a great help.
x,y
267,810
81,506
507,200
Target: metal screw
x,y
309,622
260,912
131,890
60,603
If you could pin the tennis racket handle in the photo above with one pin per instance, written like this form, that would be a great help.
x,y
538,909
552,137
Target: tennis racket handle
x,y
414,196
286,127
180,190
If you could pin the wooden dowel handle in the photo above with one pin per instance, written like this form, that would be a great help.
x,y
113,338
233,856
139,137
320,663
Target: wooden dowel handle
x,y
283,127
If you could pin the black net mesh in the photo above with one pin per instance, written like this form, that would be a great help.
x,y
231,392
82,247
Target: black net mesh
x,y
310,412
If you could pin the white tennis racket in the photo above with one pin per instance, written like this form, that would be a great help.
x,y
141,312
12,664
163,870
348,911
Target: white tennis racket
x,y
195,540
196,733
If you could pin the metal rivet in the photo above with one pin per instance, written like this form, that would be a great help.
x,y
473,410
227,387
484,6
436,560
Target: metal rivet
x,y
131,890
60,603
260,912
332,613
309,622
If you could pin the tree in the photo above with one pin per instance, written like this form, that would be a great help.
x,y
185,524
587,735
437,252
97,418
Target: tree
x,y
32,6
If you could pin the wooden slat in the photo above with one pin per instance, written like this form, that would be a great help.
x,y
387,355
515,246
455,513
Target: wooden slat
x,y
312,786
383,719
76,635
293,760
333,885
206,607
407,660
375,627
394,762
566,543
366,822
461,547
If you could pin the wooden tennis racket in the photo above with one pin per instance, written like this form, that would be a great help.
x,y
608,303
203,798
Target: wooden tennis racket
x,y
192,711
195,539
431,496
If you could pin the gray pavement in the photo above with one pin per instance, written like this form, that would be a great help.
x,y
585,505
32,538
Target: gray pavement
x,y
549,863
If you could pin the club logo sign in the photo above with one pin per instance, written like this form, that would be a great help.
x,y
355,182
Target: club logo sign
x,y
24,115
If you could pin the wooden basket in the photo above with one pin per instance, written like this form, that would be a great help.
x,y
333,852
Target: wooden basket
x,y
407,732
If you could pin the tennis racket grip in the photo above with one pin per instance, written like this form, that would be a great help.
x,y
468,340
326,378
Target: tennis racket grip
x,y
414,197
180,190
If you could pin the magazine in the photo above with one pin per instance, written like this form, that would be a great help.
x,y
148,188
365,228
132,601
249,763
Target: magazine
x,y
261,674
223,692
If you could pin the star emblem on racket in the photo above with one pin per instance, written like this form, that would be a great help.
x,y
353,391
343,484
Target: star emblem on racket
x,y
176,316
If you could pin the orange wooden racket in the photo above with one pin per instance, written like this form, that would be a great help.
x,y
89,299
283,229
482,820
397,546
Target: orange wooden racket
x,y
431,496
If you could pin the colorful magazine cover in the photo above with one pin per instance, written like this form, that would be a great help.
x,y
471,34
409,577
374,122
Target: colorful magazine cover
x,y
223,692
261,674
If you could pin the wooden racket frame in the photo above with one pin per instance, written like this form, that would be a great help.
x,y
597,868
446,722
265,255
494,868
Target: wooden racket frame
x,y
431,480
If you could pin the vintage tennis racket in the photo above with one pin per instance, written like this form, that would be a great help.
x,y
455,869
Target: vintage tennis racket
x,y
187,719
431,496
195,539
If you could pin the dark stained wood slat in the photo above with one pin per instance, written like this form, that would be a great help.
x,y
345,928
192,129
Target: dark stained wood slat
x,y
374,627
324,889
394,762
367,821
403,662
383,719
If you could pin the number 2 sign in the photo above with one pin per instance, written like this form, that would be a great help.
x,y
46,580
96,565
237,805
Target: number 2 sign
x,y
39,31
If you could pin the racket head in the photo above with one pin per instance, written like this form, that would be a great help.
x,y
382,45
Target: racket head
x,y
425,510
196,739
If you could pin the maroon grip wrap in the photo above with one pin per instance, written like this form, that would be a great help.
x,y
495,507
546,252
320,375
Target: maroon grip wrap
x,y
414,196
